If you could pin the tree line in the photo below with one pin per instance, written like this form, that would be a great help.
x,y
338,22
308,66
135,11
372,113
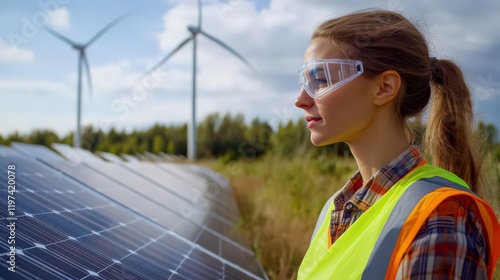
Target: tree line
x,y
228,137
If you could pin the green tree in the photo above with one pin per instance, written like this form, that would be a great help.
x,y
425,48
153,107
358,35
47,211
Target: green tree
x,y
488,132
14,137
178,136
158,144
91,138
291,138
42,137
230,135
207,135
221,136
171,147
68,139
130,145
257,139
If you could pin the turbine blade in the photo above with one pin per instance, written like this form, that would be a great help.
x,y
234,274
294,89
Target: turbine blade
x,y
59,36
199,14
168,56
87,70
105,29
229,49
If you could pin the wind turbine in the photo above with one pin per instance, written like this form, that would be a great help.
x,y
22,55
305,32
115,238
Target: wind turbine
x,y
195,30
83,62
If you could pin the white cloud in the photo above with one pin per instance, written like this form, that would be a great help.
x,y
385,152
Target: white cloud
x,y
59,18
32,86
118,75
127,75
12,54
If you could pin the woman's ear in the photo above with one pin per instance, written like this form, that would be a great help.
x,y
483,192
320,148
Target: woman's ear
x,y
389,83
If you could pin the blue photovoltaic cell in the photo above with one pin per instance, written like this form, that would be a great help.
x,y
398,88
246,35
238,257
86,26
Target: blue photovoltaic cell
x,y
189,220
67,230
176,179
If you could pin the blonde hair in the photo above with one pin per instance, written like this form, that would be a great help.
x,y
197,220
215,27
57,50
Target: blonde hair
x,y
386,40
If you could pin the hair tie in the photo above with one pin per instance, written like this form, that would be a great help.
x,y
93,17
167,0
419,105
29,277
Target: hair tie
x,y
435,70
434,61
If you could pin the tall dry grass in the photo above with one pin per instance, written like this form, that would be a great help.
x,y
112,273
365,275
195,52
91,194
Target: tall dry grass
x,y
280,200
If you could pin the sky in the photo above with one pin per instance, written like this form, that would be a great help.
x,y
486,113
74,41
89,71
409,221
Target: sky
x,y
38,72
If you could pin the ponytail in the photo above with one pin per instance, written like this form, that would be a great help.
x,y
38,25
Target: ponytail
x,y
449,136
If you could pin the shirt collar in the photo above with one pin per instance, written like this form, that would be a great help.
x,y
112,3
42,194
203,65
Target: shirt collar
x,y
363,196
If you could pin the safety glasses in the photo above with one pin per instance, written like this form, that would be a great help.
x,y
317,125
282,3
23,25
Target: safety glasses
x,y
319,77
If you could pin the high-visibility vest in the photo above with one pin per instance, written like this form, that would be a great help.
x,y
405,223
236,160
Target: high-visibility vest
x,y
373,246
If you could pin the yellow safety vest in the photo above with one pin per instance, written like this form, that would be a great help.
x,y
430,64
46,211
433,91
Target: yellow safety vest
x,y
372,247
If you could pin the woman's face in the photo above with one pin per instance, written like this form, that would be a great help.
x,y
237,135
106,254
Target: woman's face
x,y
343,114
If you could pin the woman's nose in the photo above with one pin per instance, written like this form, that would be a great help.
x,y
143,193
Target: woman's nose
x,y
304,100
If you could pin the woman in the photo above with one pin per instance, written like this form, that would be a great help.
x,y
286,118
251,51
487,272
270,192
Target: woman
x,y
398,217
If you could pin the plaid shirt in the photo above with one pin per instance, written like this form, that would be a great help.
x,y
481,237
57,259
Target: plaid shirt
x,y
450,245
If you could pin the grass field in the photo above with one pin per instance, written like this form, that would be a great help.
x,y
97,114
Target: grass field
x,y
280,200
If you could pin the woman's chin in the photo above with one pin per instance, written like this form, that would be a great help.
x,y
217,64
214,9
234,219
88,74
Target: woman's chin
x,y
319,141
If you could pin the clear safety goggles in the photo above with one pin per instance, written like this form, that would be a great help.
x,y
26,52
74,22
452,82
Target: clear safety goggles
x,y
321,76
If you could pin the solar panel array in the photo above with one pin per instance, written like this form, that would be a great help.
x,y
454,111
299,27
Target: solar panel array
x,y
78,216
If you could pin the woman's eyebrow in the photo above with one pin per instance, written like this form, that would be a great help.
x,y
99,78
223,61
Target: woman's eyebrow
x,y
315,70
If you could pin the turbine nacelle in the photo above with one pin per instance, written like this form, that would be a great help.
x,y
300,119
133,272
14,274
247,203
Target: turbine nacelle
x,y
194,29
79,47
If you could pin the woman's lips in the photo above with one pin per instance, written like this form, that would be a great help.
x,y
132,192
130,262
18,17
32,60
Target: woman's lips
x,y
311,121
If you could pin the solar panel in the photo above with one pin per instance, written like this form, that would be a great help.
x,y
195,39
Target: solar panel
x,y
198,190
110,157
129,157
91,219
153,157
170,157
199,193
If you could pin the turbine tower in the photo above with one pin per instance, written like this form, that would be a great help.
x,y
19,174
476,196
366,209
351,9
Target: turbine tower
x,y
195,30
83,62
